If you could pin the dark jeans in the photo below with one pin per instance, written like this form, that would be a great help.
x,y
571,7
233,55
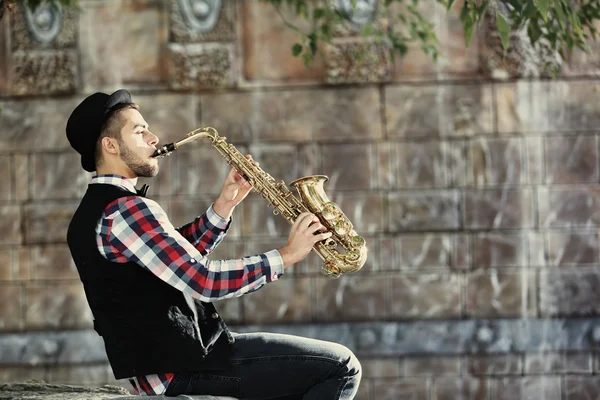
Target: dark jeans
x,y
276,366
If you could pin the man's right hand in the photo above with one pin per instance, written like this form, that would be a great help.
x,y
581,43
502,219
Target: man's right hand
x,y
303,236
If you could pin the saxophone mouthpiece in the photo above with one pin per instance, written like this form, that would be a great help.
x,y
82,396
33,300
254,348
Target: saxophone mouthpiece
x,y
165,150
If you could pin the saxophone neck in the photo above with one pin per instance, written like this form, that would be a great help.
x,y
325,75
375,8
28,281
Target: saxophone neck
x,y
208,132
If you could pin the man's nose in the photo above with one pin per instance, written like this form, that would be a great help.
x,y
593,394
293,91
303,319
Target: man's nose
x,y
153,139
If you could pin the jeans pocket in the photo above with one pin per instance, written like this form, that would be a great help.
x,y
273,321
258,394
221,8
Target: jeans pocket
x,y
215,385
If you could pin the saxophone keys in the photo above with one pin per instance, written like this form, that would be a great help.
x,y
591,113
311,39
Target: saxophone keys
x,y
342,227
330,211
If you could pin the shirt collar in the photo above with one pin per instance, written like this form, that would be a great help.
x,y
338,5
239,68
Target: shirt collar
x,y
117,180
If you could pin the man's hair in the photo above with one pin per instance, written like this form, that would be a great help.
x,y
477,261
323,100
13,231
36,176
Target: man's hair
x,y
112,128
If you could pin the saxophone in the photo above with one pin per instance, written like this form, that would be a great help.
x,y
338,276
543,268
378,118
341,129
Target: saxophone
x,y
312,199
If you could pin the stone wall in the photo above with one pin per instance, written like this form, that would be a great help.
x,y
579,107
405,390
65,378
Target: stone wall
x,y
474,180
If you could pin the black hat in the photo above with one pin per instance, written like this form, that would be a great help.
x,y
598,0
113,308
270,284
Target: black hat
x,y
85,122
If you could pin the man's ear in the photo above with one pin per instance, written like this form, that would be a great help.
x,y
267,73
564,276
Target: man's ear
x,y
110,145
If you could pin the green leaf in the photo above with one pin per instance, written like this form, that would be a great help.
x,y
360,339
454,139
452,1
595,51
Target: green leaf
x,y
296,49
533,31
562,18
542,6
503,30
318,13
467,23
531,10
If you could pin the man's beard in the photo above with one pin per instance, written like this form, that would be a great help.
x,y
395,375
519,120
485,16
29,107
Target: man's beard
x,y
140,167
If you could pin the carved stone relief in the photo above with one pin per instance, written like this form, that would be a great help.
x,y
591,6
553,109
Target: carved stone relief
x,y
200,44
351,58
43,57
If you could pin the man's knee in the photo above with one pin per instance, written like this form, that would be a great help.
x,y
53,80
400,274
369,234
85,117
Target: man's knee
x,y
350,361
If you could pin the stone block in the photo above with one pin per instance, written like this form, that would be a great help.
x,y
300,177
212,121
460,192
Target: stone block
x,y
558,363
170,116
432,110
200,66
382,368
426,296
463,388
572,207
432,366
499,209
534,158
266,44
363,209
10,225
547,107
6,176
317,115
349,166
53,262
522,107
357,61
14,374
287,301
23,269
581,63
417,252
386,164
537,249
501,294
281,161
189,161
545,387
44,73
456,62
11,305
122,42
423,164
20,178
570,292
58,176
6,264
426,252
258,219
88,375
23,122
571,159
47,222
499,250
424,211
569,107
191,22
496,162
388,389
581,387
62,305
351,298
573,249
505,364
46,28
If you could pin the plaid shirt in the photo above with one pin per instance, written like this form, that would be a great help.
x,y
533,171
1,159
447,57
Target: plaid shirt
x,y
135,228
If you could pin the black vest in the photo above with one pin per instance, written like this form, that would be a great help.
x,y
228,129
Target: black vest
x,y
148,326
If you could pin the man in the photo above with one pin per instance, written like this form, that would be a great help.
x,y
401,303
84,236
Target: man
x,y
150,285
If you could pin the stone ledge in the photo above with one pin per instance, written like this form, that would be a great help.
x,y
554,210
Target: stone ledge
x,y
38,390
366,339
